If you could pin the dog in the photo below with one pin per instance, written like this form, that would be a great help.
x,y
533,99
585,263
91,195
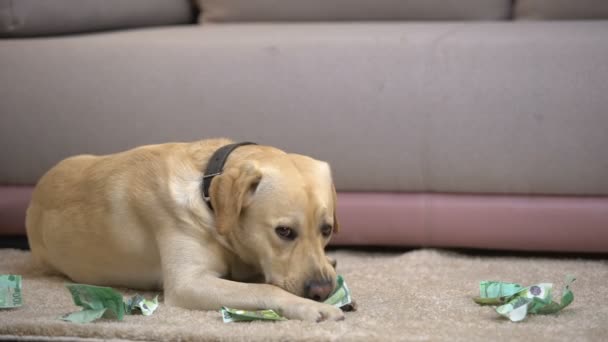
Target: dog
x,y
139,219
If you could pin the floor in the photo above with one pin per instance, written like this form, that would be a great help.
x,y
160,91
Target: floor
x,y
416,295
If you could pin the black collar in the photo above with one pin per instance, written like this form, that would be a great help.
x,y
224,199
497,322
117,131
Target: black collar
x,y
215,167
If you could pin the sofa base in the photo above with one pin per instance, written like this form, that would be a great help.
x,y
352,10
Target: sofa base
x,y
526,223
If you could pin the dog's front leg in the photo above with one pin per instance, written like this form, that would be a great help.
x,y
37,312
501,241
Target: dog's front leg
x,y
191,279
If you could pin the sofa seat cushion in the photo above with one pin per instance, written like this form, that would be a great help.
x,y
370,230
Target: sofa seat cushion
x,y
332,10
27,18
474,107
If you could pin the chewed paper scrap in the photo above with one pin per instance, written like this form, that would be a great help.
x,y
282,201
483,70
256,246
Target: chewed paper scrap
x,y
515,302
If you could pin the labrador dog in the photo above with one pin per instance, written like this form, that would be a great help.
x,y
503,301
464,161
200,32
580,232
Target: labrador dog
x,y
138,219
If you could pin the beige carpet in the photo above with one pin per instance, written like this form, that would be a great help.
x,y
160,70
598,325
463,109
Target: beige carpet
x,y
422,295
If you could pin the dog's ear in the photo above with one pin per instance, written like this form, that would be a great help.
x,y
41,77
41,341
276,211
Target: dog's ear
x,y
231,192
335,198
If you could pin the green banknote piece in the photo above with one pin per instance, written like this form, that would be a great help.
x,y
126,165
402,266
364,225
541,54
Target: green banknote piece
x,y
515,302
10,291
236,315
105,302
341,295
553,307
340,298
138,302
84,316
489,289
96,302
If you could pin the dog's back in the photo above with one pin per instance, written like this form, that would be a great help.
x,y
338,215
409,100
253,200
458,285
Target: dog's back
x,y
76,213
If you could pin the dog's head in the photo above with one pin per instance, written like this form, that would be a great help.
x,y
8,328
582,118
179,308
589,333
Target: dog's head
x,y
278,212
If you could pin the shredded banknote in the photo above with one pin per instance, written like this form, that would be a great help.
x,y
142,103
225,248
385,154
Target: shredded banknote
x,y
10,291
340,298
138,302
515,302
105,302
236,315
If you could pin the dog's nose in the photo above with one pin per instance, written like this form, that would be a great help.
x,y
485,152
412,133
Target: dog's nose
x,y
318,290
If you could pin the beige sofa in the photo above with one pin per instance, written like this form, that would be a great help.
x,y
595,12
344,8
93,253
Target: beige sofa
x,y
471,123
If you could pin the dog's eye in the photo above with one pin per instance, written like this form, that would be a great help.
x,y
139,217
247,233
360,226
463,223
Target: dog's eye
x,y
285,233
326,230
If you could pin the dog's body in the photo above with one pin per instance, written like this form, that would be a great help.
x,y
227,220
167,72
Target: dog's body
x,y
138,219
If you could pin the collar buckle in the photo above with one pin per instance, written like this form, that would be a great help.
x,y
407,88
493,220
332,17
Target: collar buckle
x,y
206,197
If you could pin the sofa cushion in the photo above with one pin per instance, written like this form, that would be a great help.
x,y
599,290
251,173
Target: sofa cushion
x,y
485,107
561,9
331,10
26,18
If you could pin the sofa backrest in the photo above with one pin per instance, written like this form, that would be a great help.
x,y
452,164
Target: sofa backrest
x,y
349,10
363,10
28,18
561,9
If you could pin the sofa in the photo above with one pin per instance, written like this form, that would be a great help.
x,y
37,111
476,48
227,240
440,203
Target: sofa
x,y
465,124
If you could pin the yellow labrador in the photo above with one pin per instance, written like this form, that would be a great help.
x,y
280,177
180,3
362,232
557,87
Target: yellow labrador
x,y
138,219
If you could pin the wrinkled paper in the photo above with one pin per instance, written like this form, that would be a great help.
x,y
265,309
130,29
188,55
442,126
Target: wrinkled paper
x,y
515,302
10,291
340,298
105,302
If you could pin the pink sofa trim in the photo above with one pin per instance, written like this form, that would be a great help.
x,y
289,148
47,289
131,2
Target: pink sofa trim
x,y
13,203
533,223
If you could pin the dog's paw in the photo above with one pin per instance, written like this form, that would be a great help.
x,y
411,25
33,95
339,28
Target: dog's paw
x,y
313,312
